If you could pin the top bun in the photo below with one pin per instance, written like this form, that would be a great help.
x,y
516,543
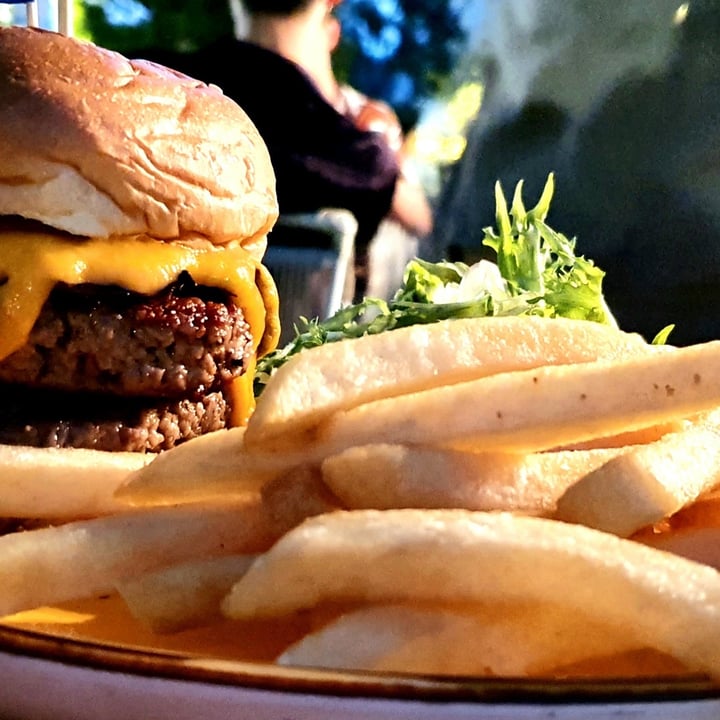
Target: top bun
x,y
94,144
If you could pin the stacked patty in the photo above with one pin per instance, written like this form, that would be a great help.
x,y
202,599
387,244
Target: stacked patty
x,y
109,369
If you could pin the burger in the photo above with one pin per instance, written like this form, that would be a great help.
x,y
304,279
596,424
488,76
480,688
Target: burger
x,y
135,204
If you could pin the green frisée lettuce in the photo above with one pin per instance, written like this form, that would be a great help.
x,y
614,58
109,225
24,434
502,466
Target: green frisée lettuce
x,y
539,264
536,272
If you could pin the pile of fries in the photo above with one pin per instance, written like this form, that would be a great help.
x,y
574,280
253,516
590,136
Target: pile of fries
x,y
511,496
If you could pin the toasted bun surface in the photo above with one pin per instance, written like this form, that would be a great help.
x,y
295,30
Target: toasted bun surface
x,y
94,144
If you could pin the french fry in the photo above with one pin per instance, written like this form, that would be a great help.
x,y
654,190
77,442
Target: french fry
x,y
62,484
182,596
208,467
515,640
643,436
387,476
485,416
291,498
659,600
647,483
86,558
336,376
542,408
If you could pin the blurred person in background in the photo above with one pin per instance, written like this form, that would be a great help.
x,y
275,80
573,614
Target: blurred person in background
x,y
330,145
400,234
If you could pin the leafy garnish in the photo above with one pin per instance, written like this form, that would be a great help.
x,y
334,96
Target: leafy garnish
x,y
540,264
662,337
536,272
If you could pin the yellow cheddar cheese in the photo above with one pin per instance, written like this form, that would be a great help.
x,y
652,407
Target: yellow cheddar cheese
x,y
32,263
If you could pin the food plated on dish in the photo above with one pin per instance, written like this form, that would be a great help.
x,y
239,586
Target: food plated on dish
x,y
483,478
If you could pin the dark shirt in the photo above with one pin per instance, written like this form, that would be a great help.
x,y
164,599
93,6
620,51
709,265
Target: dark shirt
x,y
320,158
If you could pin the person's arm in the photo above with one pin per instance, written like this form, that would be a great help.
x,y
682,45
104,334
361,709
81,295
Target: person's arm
x,y
410,206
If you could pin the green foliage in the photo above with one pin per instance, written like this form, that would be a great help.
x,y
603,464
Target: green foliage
x,y
429,38
175,25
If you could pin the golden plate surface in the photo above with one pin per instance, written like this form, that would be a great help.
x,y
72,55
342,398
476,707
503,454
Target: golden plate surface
x,y
101,635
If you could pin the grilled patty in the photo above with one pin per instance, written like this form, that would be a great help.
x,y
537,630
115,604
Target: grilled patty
x,y
114,370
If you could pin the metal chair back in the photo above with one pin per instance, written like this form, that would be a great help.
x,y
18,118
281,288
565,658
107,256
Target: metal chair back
x,y
310,256
62,8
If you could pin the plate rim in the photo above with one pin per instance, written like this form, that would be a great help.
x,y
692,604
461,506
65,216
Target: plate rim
x,y
191,667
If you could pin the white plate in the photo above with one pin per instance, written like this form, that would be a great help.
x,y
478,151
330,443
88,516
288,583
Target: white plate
x,y
75,670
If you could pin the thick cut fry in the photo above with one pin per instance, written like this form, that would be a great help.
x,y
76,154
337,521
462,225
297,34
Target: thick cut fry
x,y
86,558
59,484
396,476
210,466
512,640
337,376
660,600
183,596
648,483
643,436
543,408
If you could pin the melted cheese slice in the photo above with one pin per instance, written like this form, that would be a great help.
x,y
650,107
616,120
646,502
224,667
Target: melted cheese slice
x,y
32,263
